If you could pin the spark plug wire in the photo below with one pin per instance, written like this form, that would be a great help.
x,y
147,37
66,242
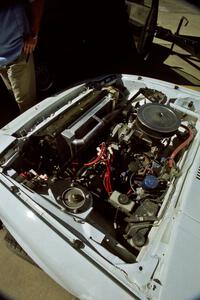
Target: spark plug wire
x,y
102,157
98,158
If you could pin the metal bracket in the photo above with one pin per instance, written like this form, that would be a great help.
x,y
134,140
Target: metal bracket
x,y
180,24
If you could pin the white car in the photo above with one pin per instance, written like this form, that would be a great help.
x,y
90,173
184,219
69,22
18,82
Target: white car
x,y
100,187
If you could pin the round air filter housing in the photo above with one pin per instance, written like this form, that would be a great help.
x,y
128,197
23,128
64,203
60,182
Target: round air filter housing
x,y
157,120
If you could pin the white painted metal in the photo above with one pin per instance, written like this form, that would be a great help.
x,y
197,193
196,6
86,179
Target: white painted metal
x,y
170,262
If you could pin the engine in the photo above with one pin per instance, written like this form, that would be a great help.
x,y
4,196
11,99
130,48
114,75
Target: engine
x,y
112,164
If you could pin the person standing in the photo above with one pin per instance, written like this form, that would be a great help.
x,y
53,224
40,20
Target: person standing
x,y
19,28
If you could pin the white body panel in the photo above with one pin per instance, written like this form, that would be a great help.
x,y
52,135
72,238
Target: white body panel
x,y
170,261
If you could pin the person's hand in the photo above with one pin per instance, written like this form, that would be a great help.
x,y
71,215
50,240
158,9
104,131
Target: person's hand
x,y
30,43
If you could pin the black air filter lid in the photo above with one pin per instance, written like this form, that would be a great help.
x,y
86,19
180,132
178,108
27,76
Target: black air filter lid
x,y
157,120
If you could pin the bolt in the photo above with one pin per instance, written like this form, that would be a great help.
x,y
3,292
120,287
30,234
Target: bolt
x,y
190,104
14,189
78,244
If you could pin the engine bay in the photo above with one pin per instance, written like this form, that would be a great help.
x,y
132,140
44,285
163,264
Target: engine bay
x,y
109,159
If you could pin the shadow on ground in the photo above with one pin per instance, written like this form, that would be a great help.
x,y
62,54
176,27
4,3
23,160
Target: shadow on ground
x,y
76,71
195,2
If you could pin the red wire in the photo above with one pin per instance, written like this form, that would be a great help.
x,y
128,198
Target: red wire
x,y
107,179
129,192
103,157
97,159
181,146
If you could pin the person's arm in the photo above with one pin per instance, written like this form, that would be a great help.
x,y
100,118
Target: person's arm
x,y
36,10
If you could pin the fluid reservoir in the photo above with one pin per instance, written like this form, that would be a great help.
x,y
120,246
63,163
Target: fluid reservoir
x,y
150,182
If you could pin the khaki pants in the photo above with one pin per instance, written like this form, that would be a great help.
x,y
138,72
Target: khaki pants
x,y
19,78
